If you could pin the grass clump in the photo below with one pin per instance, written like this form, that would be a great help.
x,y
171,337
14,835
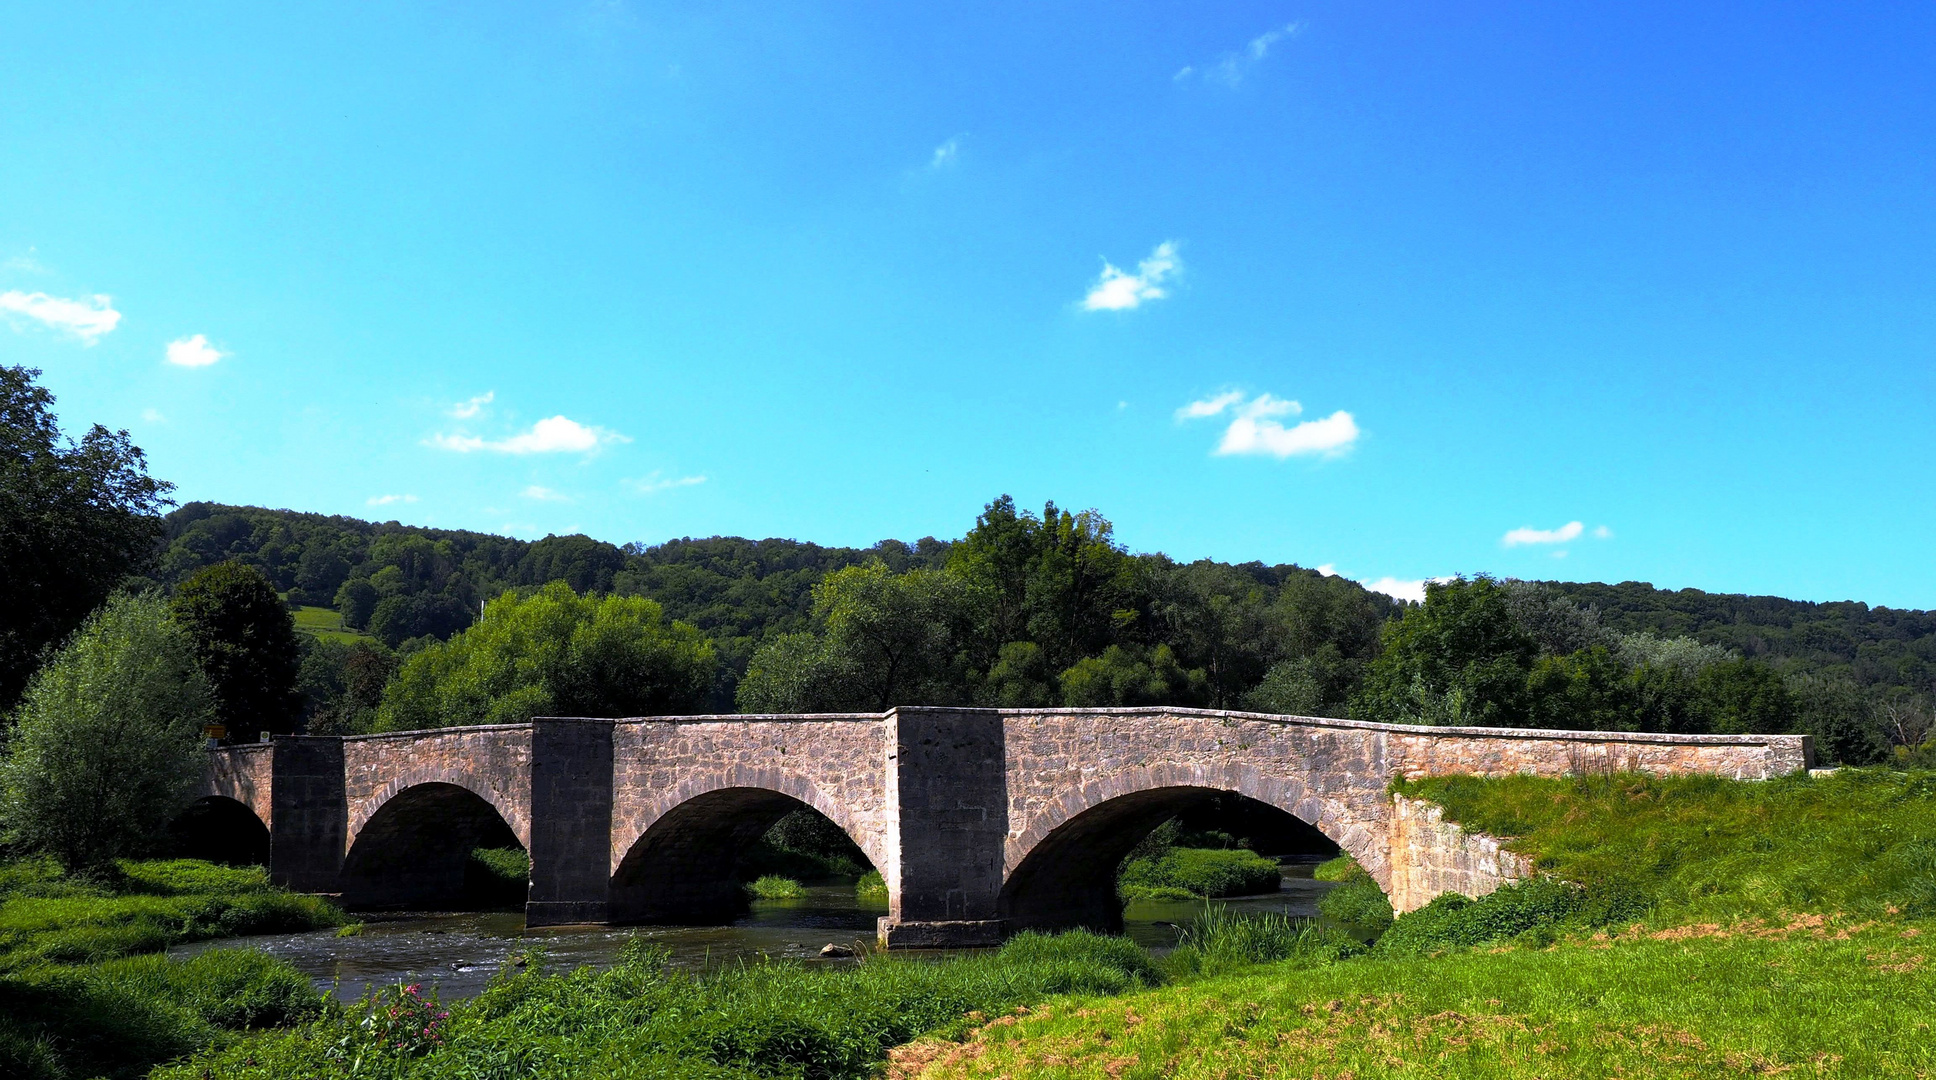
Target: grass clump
x,y
1197,873
641,1019
775,887
1219,941
871,888
1356,901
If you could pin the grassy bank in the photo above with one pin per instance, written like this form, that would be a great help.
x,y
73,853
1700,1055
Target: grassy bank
x,y
640,1019
77,999
1799,1004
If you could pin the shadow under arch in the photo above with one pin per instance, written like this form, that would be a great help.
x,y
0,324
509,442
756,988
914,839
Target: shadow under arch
x,y
682,869
1068,879
412,853
220,830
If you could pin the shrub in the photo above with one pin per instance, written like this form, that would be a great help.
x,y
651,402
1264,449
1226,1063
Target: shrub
x,y
871,888
1199,872
105,747
1538,911
1356,901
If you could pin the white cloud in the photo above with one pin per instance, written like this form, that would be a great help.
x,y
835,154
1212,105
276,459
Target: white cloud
x,y
1328,570
1601,532
1254,428
544,494
1209,406
1400,589
1119,290
84,319
1231,68
193,352
465,410
153,416
385,500
1564,534
1330,436
945,154
555,435
654,483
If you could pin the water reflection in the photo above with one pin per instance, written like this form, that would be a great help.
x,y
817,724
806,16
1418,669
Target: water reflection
x,y
458,953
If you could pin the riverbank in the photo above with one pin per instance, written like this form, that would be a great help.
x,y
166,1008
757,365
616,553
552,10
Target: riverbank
x,y
83,992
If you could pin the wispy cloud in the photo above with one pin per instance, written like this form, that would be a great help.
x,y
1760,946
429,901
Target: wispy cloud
x,y
1119,290
25,264
153,416
1601,532
1564,534
193,352
945,154
554,435
1255,428
85,319
466,410
1231,68
655,483
386,500
545,494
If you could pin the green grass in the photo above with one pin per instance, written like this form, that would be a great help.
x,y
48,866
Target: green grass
x,y
640,1019
1861,841
775,887
871,888
76,1000
1196,873
1794,1004
326,623
47,917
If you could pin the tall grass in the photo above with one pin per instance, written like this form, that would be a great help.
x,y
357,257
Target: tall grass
x,y
641,1019
1197,873
1220,941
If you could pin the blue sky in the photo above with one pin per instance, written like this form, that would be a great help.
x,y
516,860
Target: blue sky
x,y
1399,289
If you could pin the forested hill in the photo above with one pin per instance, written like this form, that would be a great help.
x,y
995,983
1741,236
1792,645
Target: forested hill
x,y
1873,646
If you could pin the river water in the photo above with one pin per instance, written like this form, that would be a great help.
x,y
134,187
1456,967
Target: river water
x,y
459,952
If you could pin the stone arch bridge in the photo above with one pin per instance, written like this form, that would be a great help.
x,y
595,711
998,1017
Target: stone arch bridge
x,y
982,821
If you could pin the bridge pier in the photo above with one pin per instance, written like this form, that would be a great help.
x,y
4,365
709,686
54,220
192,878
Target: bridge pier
x,y
947,812
571,822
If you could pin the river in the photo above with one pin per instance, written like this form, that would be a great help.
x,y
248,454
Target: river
x,y
459,952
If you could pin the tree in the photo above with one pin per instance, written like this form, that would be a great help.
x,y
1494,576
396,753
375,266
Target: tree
x,y
880,639
106,748
1460,658
1060,581
342,685
553,653
245,639
76,518
1129,676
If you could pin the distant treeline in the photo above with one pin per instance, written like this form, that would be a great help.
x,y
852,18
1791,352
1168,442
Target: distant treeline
x,y
1047,609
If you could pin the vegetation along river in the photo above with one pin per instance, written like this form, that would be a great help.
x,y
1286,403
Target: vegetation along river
x,y
459,952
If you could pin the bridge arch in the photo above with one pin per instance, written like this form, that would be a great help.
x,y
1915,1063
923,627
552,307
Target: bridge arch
x,y
412,847
220,829
1061,869
679,868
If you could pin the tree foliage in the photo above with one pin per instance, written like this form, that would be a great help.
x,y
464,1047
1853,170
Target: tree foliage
x,y
554,653
76,517
246,643
106,746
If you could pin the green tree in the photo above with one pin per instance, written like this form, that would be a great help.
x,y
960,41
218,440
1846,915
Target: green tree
x,y
1130,676
879,639
342,685
106,747
245,639
1460,658
553,653
76,518
1060,581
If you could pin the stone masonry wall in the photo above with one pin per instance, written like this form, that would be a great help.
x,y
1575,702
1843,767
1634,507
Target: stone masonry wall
x,y
1432,856
492,762
245,773
834,763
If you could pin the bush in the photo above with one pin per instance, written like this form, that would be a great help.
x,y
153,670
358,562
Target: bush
x,y
1198,872
871,888
1538,910
105,749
